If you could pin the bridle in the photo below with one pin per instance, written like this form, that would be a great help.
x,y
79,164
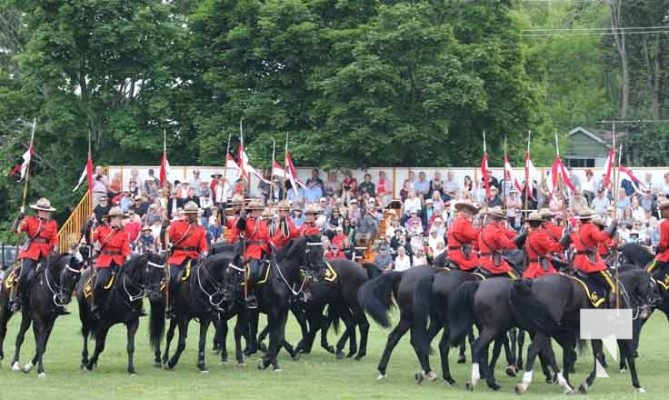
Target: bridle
x,y
219,290
57,290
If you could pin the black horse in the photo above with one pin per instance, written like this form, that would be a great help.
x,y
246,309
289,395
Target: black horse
x,y
142,273
200,296
341,298
51,289
376,298
550,306
431,300
485,304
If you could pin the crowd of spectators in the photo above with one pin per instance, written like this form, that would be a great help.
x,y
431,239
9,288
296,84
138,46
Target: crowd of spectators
x,y
353,213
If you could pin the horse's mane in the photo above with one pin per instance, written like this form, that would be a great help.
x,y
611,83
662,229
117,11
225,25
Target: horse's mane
x,y
635,252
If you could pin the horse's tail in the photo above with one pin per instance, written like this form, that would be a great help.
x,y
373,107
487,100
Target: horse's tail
x,y
461,315
374,296
333,318
528,311
156,324
372,270
421,310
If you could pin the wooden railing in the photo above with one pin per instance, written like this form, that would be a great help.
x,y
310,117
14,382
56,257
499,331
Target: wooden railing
x,y
70,231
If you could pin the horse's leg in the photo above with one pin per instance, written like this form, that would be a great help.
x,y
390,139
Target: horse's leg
x,y
5,315
181,343
363,325
627,353
222,333
219,336
204,325
538,343
597,353
519,356
131,328
444,349
20,337
568,343
45,329
346,317
85,332
393,338
513,339
509,352
480,360
298,312
322,323
241,326
252,341
100,340
168,341
497,351
270,358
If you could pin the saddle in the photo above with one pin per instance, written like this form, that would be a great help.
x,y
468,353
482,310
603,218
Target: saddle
x,y
10,280
258,275
93,279
595,292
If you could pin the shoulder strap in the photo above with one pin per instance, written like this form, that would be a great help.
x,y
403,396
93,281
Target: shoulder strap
x,y
183,237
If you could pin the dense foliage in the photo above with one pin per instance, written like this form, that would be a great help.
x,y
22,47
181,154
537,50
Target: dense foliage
x,y
352,83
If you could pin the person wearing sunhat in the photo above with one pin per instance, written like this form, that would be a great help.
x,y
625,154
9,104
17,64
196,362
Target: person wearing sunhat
x,y
232,213
286,230
146,241
539,247
113,244
494,238
188,244
660,267
553,230
462,237
604,249
309,227
255,232
42,232
587,259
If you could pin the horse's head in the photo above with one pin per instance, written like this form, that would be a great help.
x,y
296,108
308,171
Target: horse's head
x,y
222,269
70,273
308,252
642,292
154,275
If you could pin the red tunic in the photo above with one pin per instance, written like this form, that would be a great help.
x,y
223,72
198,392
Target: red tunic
x,y
553,231
539,244
280,239
589,237
663,245
309,228
231,224
133,229
42,235
114,246
256,235
189,241
462,232
494,237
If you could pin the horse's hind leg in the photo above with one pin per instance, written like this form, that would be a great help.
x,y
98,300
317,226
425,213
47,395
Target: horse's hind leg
x,y
597,351
20,337
100,340
347,318
538,343
363,324
5,315
204,325
241,326
130,348
181,344
393,338
168,341
627,353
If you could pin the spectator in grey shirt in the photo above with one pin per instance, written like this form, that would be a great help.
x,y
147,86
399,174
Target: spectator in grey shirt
x,y
600,203
368,226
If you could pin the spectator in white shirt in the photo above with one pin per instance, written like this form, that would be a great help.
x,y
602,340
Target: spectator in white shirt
x,y
412,203
402,261
600,203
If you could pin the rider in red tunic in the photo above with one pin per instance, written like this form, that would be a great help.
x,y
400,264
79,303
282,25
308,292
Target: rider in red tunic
x,y
309,227
462,237
660,267
189,243
539,247
42,232
494,238
554,231
114,246
256,235
286,230
232,216
587,259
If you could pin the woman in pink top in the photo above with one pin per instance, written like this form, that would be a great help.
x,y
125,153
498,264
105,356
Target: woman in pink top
x,y
383,189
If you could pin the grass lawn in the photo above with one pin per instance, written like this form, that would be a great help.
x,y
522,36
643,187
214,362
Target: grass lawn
x,y
315,376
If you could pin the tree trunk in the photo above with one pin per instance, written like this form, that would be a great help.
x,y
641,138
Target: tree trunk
x,y
658,71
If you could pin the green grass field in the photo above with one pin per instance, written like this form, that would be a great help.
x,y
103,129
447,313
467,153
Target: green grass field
x,y
318,375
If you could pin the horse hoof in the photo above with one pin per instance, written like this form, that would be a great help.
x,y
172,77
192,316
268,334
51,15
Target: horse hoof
x,y
16,367
28,367
419,377
330,349
462,359
241,364
568,391
157,364
296,356
204,371
381,377
450,381
262,365
359,356
495,386
623,370
519,389
340,355
469,386
510,371
351,354
636,354
278,370
551,380
41,375
640,390
583,389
